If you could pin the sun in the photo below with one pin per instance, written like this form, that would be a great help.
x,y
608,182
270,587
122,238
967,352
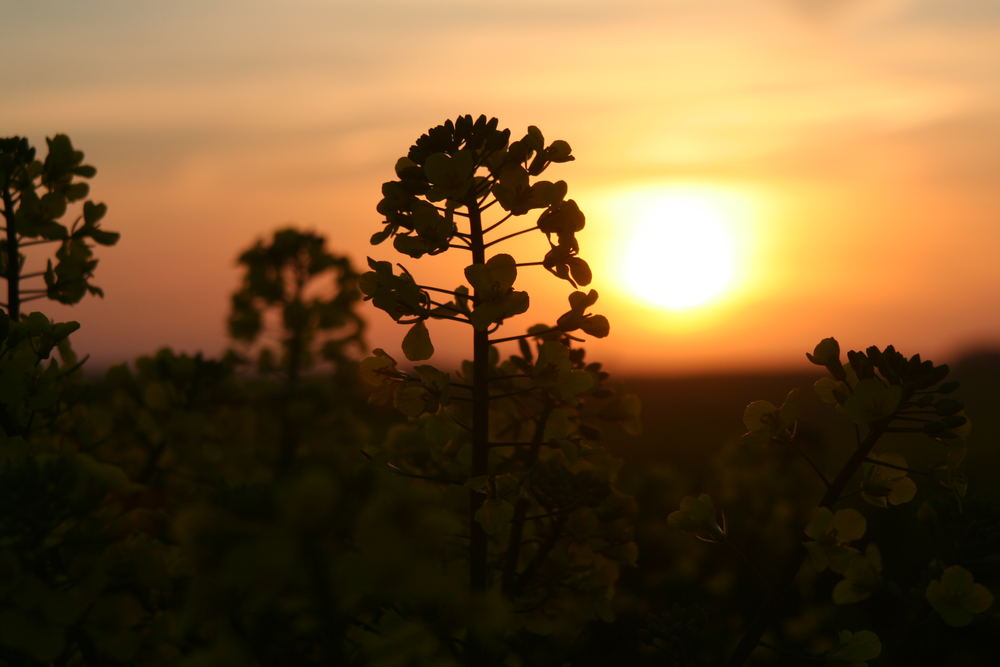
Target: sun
x,y
682,252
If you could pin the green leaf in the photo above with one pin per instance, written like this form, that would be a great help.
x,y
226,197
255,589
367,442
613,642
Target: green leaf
x,y
52,205
861,579
104,238
494,277
452,175
563,217
826,353
77,191
579,270
831,533
560,424
831,391
872,400
884,486
559,151
417,344
698,517
596,326
376,369
494,516
411,400
855,648
957,598
848,525
760,415
575,382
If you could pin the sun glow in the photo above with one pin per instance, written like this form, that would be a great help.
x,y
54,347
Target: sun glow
x,y
683,250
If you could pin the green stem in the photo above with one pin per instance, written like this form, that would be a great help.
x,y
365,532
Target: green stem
x,y
768,610
13,259
516,533
527,335
476,654
510,236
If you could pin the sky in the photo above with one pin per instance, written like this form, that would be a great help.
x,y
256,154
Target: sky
x,y
852,145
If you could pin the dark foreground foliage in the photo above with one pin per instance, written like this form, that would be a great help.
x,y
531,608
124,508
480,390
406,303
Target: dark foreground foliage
x,y
190,511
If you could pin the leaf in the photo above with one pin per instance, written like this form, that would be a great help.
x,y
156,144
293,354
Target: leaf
x,y
564,217
884,486
417,344
104,238
494,515
579,270
92,212
872,400
830,534
575,382
848,525
760,415
559,151
494,277
831,391
861,579
52,205
698,517
451,174
559,425
855,648
410,399
826,353
376,369
596,325
957,598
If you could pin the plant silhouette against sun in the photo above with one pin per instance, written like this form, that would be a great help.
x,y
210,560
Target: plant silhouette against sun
x,y
516,432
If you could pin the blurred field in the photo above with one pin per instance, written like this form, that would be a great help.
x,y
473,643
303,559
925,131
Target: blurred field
x,y
687,419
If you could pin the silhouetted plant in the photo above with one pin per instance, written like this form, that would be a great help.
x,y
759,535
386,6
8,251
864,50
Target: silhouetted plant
x,y
35,195
882,393
312,293
70,590
518,434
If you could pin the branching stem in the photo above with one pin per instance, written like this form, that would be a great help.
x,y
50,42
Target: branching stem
x,y
510,236
494,341
768,610
498,223
13,259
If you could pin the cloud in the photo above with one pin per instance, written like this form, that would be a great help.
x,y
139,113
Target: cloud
x,y
836,11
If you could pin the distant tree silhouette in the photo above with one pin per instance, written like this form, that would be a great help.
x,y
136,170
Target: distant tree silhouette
x,y
297,291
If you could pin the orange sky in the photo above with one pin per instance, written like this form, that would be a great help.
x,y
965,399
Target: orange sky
x,y
861,136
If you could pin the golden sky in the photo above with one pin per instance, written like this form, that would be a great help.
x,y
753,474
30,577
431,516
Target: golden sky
x,y
858,141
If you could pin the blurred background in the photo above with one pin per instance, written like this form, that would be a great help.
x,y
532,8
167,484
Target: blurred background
x,y
756,175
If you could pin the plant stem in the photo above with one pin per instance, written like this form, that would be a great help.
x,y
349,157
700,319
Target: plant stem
x,y
13,259
512,235
768,610
527,335
516,534
498,223
478,544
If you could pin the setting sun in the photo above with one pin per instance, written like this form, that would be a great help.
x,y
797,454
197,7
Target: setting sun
x,y
683,249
